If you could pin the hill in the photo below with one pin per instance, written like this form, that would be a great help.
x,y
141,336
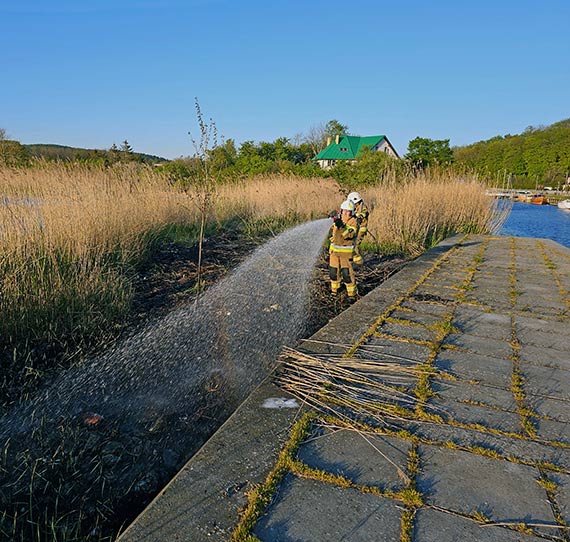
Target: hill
x,y
62,152
540,155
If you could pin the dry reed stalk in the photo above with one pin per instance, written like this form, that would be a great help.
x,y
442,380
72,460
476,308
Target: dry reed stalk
x,y
68,233
336,385
343,387
274,195
419,210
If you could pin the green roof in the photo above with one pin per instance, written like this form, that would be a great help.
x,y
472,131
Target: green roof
x,y
350,145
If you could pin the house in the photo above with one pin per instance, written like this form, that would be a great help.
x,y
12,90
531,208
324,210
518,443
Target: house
x,y
349,147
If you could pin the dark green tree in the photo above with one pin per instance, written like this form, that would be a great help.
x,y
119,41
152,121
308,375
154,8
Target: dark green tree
x,y
12,153
334,127
224,156
423,152
126,148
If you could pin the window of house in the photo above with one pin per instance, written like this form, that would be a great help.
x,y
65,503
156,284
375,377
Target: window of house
x,y
344,149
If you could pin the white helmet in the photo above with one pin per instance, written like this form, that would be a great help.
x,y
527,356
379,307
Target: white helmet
x,y
354,198
347,205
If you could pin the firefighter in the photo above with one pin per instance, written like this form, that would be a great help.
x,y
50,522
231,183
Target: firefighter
x,y
361,214
343,236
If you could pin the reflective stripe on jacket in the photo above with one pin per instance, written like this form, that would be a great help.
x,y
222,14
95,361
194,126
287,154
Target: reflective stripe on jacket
x,y
342,239
342,248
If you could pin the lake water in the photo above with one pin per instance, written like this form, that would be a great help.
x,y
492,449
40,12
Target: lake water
x,y
546,221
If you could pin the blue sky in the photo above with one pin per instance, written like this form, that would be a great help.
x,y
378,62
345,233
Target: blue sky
x,y
91,73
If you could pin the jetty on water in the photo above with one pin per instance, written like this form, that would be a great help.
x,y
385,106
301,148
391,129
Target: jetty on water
x,y
435,409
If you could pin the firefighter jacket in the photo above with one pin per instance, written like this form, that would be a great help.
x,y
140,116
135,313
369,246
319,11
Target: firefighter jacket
x,y
361,213
343,239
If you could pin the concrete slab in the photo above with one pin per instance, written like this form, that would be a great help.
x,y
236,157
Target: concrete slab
x,y
544,357
482,324
558,409
487,293
429,307
417,317
553,430
468,365
418,333
436,292
440,280
368,460
497,302
435,526
475,414
525,450
527,324
310,511
448,273
544,339
529,305
494,397
487,347
468,483
539,332
546,381
562,494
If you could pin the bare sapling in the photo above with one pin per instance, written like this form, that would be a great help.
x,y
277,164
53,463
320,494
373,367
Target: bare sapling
x,y
203,195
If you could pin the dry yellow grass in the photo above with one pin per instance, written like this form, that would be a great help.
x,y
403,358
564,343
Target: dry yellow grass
x,y
271,195
413,215
69,232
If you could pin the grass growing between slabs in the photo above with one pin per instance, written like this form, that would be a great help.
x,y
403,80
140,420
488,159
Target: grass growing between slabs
x,y
367,396
410,497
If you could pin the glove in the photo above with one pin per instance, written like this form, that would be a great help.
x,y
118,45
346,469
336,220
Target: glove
x,y
338,223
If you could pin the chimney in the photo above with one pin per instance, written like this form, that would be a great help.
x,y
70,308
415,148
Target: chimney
x,y
329,139
337,139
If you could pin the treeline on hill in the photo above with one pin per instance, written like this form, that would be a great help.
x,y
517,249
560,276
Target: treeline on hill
x,y
114,154
538,156
226,161
14,153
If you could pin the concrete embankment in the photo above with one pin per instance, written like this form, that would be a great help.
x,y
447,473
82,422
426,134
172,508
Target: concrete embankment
x,y
484,455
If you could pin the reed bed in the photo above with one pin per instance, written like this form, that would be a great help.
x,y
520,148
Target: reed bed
x,y
70,234
273,195
423,208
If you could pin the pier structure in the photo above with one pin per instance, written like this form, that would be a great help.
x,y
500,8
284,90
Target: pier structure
x,y
480,329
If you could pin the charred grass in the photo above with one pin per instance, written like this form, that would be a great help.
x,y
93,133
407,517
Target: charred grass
x,y
90,477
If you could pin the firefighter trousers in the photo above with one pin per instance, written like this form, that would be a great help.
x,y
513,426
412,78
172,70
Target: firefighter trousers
x,y
340,270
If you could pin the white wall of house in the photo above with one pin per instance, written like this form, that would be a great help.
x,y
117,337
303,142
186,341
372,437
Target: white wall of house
x,y
384,146
326,164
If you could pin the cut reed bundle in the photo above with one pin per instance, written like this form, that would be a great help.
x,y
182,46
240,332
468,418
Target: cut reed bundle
x,y
349,387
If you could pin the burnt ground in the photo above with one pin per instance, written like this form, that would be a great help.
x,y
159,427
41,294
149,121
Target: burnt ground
x,y
97,475
169,280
